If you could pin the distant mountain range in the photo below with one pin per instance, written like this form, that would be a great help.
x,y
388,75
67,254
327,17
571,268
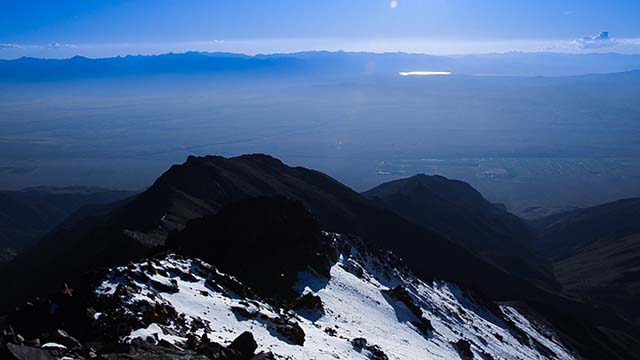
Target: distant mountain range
x,y
220,246
310,64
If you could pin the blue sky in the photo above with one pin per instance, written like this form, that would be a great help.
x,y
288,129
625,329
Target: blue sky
x,y
103,28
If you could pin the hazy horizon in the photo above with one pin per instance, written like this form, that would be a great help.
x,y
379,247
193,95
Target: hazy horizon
x,y
517,115
445,48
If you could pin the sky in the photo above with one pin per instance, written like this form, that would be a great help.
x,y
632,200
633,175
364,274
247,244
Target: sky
x,y
97,28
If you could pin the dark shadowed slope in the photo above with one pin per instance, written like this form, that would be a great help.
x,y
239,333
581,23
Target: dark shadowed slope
x,y
264,242
596,253
26,215
458,211
336,298
203,185
561,234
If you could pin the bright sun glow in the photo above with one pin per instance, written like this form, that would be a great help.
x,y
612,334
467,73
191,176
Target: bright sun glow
x,y
393,4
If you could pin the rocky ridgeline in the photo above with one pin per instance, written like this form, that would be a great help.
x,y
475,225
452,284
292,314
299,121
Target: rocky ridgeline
x,y
280,288
123,302
124,299
172,306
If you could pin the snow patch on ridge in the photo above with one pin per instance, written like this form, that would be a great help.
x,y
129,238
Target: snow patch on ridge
x,y
357,303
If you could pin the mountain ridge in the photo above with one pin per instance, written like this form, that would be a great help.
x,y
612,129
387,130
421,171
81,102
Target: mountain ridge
x,y
28,214
595,252
201,186
314,63
443,204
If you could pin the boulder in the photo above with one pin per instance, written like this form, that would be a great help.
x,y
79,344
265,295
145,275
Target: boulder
x,y
241,311
359,343
310,302
292,332
170,288
245,344
464,349
373,352
376,353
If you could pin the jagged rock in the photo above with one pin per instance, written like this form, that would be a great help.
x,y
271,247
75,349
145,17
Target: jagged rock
x,y
245,344
21,352
331,331
163,314
139,276
292,331
239,310
359,343
192,342
166,344
545,351
183,275
487,356
222,283
149,269
322,263
354,268
162,287
481,299
197,324
518,333
423,324
62,337
376,353
373,352
464,349
187,276
125,291
311,302
326,257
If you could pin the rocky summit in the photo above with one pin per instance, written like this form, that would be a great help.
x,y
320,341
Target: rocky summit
x,y
248,258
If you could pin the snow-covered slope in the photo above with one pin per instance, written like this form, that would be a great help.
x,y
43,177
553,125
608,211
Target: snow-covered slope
x,y
371,307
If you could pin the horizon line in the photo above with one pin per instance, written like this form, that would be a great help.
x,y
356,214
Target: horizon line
x,y
279,46
339,51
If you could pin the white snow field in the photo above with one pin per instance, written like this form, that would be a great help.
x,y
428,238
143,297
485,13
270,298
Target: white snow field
x,y
356,304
